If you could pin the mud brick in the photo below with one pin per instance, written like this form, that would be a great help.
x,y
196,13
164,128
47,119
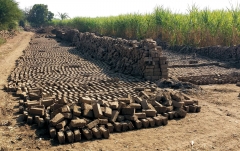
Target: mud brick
x,y
36,119
120,118
177,104
77,135
124,126
87,133
61,124
25,115
138,124
139,88
88,113
96,133
140,115
93,124
77,123
41,123
70,136
144,104
158,121
97,111
61,137
108,112
52,132
198,109
150,112
104,132
188,102
85,100
65,109
155,103
87,120
181,113
128,111
29,120
110,127
117,126
103,121
115,114
130,125
135,105
32,103
137,99
76,110
170,115
63,101
192,108
57,119
186,108
164,120
131,117
56,106
21,109
114,105
144,95
145,123
103,109
47,103
195,102
169,108
67,115
125,100
151,122
86,106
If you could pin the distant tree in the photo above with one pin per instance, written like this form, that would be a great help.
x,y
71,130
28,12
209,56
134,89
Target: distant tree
x,y
63,15
10,14
39,15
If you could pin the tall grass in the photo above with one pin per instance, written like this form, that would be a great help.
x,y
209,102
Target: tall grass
x,y
196,28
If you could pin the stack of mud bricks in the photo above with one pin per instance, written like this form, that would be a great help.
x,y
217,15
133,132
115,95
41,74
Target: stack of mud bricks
x,y
88,119
138,58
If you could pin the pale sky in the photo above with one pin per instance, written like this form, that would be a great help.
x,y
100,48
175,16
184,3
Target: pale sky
x,y
94,8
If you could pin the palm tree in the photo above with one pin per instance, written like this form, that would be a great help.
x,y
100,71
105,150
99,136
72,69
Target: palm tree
x,y
63,15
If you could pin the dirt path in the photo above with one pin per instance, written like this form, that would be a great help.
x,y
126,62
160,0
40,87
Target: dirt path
x,y
216,127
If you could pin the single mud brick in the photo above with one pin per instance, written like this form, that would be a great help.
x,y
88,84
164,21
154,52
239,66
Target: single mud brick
x,y
86,106
121,105
77,123
25,115
181,113
36,119
114,105
144,104
88,113
103,121
120,118
186,108
124,126
21,103
195,102
104,132
56,106
117,126
164,120
70,136
192,108
41,123
108,112
110,127
77,135
150,112
29,120
61,124
29,104
93,124
131,117
115,114
198,109
47,103
165,115
145,123
177,96
63,101
96,133
176,115
85,100
128,111
151,122
158,121
97,111
61,137
169,108
188,102
177,104
21,109
76,110
52,132
136,105
170,115
138,124
65,109
125,100
140,115
87,133
160,110
57,119
130,125
67,115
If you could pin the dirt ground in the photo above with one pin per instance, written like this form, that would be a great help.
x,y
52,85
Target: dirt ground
x,y
216,127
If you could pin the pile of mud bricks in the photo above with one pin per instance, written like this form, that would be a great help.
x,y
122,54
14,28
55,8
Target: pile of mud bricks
x,y
88,119
138,58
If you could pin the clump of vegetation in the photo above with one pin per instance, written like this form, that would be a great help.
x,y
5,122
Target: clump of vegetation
x,y
2,41
9,14
196,28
